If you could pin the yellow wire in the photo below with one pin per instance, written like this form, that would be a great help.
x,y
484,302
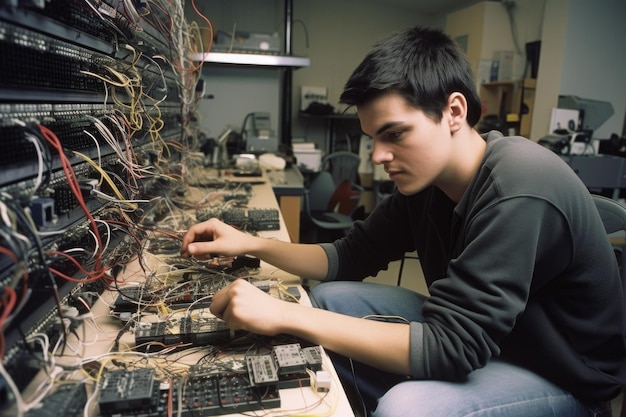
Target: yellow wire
x,y
107,179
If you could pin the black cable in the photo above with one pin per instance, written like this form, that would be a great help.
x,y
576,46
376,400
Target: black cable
x,y
25,223
306,31
356,388
354,381
116,343
243,125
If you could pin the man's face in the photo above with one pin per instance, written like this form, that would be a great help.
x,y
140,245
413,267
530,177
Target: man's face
x,y
414,150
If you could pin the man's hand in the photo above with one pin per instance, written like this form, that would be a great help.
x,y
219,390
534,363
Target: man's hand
x,y
245,307
212,238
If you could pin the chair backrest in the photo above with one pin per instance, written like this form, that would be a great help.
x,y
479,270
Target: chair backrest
x,y
612,213
342,165
320,191
613,216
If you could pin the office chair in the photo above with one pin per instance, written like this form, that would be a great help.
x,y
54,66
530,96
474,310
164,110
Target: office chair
x,y
344,168
333,195
319,210
613,216
342,165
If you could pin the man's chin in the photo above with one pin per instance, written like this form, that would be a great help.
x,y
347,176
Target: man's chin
x,y
408,189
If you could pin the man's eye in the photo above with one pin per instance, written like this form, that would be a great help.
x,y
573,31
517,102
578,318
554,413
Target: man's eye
x,y
396,135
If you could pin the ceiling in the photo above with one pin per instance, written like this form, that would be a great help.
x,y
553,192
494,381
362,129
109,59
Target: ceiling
x,y
433,7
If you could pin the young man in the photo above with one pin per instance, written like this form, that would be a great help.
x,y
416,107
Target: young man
x,y
525,314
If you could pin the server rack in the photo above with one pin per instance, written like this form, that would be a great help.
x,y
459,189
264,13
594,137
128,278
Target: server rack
x,y
97,101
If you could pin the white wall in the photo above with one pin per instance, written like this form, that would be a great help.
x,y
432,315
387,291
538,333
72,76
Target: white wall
x,y
594,57
550,64
235,91
582,54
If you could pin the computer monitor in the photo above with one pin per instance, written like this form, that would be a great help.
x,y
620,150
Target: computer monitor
x,y
592,112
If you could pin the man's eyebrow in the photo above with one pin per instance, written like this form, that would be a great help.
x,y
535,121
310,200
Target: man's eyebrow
x,y
387,126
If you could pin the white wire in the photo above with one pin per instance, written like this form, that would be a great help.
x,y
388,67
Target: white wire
x,y
97,146
68,251
97,332
105,247
110,138
53,232
113,199
125,160
95,10
86,360
44,388
19,402
96,247
44,341
4,213
31,138
134,15
92,397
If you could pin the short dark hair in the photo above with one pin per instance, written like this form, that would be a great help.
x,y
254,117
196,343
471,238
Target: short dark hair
x,y
423,65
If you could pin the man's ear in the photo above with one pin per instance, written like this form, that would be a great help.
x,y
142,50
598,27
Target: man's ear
x,y
457,110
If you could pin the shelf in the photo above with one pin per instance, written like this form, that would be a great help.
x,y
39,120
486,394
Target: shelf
x,y
502,98
497,84
348,116
349,122
253,59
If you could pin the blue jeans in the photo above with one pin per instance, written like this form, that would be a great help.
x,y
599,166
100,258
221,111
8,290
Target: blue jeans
x,y
498,389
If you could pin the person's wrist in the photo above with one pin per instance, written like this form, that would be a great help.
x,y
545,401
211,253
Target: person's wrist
x,y
255,245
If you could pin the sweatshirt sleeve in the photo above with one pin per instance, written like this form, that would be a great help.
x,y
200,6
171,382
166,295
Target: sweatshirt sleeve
x,y
475,306
371,244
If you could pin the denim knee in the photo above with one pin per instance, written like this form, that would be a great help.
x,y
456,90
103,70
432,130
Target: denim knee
x,y
497,390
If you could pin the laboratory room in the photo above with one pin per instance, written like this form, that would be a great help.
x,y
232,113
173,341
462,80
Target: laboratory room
x,y
277,208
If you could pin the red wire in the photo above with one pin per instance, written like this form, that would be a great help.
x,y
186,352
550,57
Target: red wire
x,y
208,22
15,260
8,305
92,276
10,254
72,181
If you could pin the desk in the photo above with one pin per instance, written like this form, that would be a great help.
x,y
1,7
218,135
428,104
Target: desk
x,y
93,341
288,186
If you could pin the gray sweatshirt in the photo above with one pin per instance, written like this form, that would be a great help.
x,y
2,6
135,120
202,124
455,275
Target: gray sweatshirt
x,y
520,268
